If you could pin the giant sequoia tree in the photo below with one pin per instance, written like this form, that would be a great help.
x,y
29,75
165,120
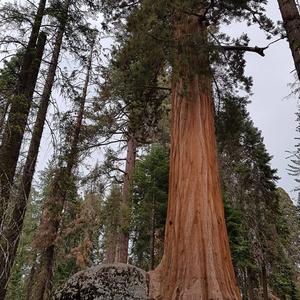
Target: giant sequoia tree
x,y
196,262
161,46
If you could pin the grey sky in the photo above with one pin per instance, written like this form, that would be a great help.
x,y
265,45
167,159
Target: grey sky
x,y
271,111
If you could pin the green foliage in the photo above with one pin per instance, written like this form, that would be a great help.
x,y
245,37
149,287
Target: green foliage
x,y
283,279
8,75
149,198
26,254
286,266
239,243
111,220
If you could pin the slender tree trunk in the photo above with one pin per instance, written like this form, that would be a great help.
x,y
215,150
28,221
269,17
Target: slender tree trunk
x,y
264,282
152,236
15,128
20,107
123,234
111,231
12,232
110,249
6,182
291,21
53,209
250,281
30,282
42,287
3,117
197,263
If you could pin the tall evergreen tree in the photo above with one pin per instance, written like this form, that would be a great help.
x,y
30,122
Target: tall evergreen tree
x,y
12,230
195,211
20,107
54,205
132,79
149,198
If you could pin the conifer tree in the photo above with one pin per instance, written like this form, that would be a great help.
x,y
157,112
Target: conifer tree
x,y
19,110
56,198
149,198
195,211
11,233
132,79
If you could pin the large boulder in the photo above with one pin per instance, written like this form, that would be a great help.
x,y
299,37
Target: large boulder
x,y
106,282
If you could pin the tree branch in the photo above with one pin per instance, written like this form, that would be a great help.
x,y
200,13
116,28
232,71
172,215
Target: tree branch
x,y
258,50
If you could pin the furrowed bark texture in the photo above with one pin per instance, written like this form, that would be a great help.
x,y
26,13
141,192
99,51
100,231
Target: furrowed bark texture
x,y
53,210
197,263
20,107
121,255
291,21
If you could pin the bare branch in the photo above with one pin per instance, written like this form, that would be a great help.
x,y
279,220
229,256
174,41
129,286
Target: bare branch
x,y
258,50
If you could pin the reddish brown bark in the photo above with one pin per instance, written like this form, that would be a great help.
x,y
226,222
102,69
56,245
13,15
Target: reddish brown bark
x,y
121,255
291,21
197,263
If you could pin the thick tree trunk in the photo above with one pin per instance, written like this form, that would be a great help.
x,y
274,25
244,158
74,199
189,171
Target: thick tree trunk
x,y
291,21
197,263
121,255
53,209
20,107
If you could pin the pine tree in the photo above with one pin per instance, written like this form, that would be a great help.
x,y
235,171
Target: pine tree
x,y
58,193
12,230
19,110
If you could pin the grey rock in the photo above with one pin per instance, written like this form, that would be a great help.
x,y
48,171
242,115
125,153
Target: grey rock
x,y
106,282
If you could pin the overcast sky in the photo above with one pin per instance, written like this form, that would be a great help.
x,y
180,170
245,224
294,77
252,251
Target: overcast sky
x,y
270,109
